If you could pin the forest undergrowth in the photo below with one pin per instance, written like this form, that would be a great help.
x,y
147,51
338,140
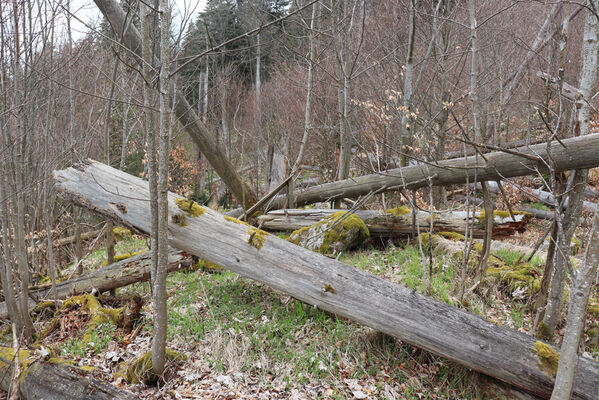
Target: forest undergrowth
x,y
239,339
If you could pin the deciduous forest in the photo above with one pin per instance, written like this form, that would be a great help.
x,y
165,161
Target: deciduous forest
x,y
299,199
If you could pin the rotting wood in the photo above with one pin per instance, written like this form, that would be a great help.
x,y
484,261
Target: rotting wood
x,y
55,379
388,224
326,283
580,152
122,273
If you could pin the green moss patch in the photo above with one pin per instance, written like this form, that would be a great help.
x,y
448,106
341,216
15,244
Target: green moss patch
x,y
97,315
257,237
332,233
124,256
500,214
190,207
121,233
179,219
209,266
594,309
140,369
398,211
548,358
235,220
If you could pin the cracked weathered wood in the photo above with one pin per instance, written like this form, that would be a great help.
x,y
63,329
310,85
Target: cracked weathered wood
x,y
384,224
579,153
326,283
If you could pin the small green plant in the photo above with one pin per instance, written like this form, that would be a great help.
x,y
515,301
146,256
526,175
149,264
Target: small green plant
x,y
98,341
73,347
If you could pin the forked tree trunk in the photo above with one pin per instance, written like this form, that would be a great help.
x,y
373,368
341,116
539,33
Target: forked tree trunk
x,y
326,283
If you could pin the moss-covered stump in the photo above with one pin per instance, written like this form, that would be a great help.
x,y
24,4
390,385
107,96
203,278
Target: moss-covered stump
x,y
333,234
139,369
91,309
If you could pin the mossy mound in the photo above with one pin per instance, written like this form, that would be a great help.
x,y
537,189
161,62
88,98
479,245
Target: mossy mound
x,y
548,358
593,308
124,256
514,276
97,315
121,233
139,369
332,234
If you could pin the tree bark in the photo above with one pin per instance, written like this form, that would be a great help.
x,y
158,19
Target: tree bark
x,y
326,283
384,224
580,152
53,381
184,112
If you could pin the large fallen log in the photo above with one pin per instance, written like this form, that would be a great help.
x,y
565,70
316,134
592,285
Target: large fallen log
x,y
122,273
325,283
578,153
54,380
398,222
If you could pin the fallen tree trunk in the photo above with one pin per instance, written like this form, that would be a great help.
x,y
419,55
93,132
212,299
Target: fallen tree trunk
x,y
54,380
540,195
122,273
578,153
325,283
186,115
389,224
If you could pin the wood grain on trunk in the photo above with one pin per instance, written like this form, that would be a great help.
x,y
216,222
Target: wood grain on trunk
x,y
326,283
383,224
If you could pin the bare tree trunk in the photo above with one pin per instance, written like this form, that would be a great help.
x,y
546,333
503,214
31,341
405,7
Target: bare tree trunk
x,y
406,133
575,187
19,182
480,138
308,110
579,296
159,292
148,56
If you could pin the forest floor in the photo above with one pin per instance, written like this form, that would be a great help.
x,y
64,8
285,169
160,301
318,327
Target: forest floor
x,y
243,340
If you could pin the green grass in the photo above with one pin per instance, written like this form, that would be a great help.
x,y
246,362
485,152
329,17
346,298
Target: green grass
x,y
243,325
98,342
